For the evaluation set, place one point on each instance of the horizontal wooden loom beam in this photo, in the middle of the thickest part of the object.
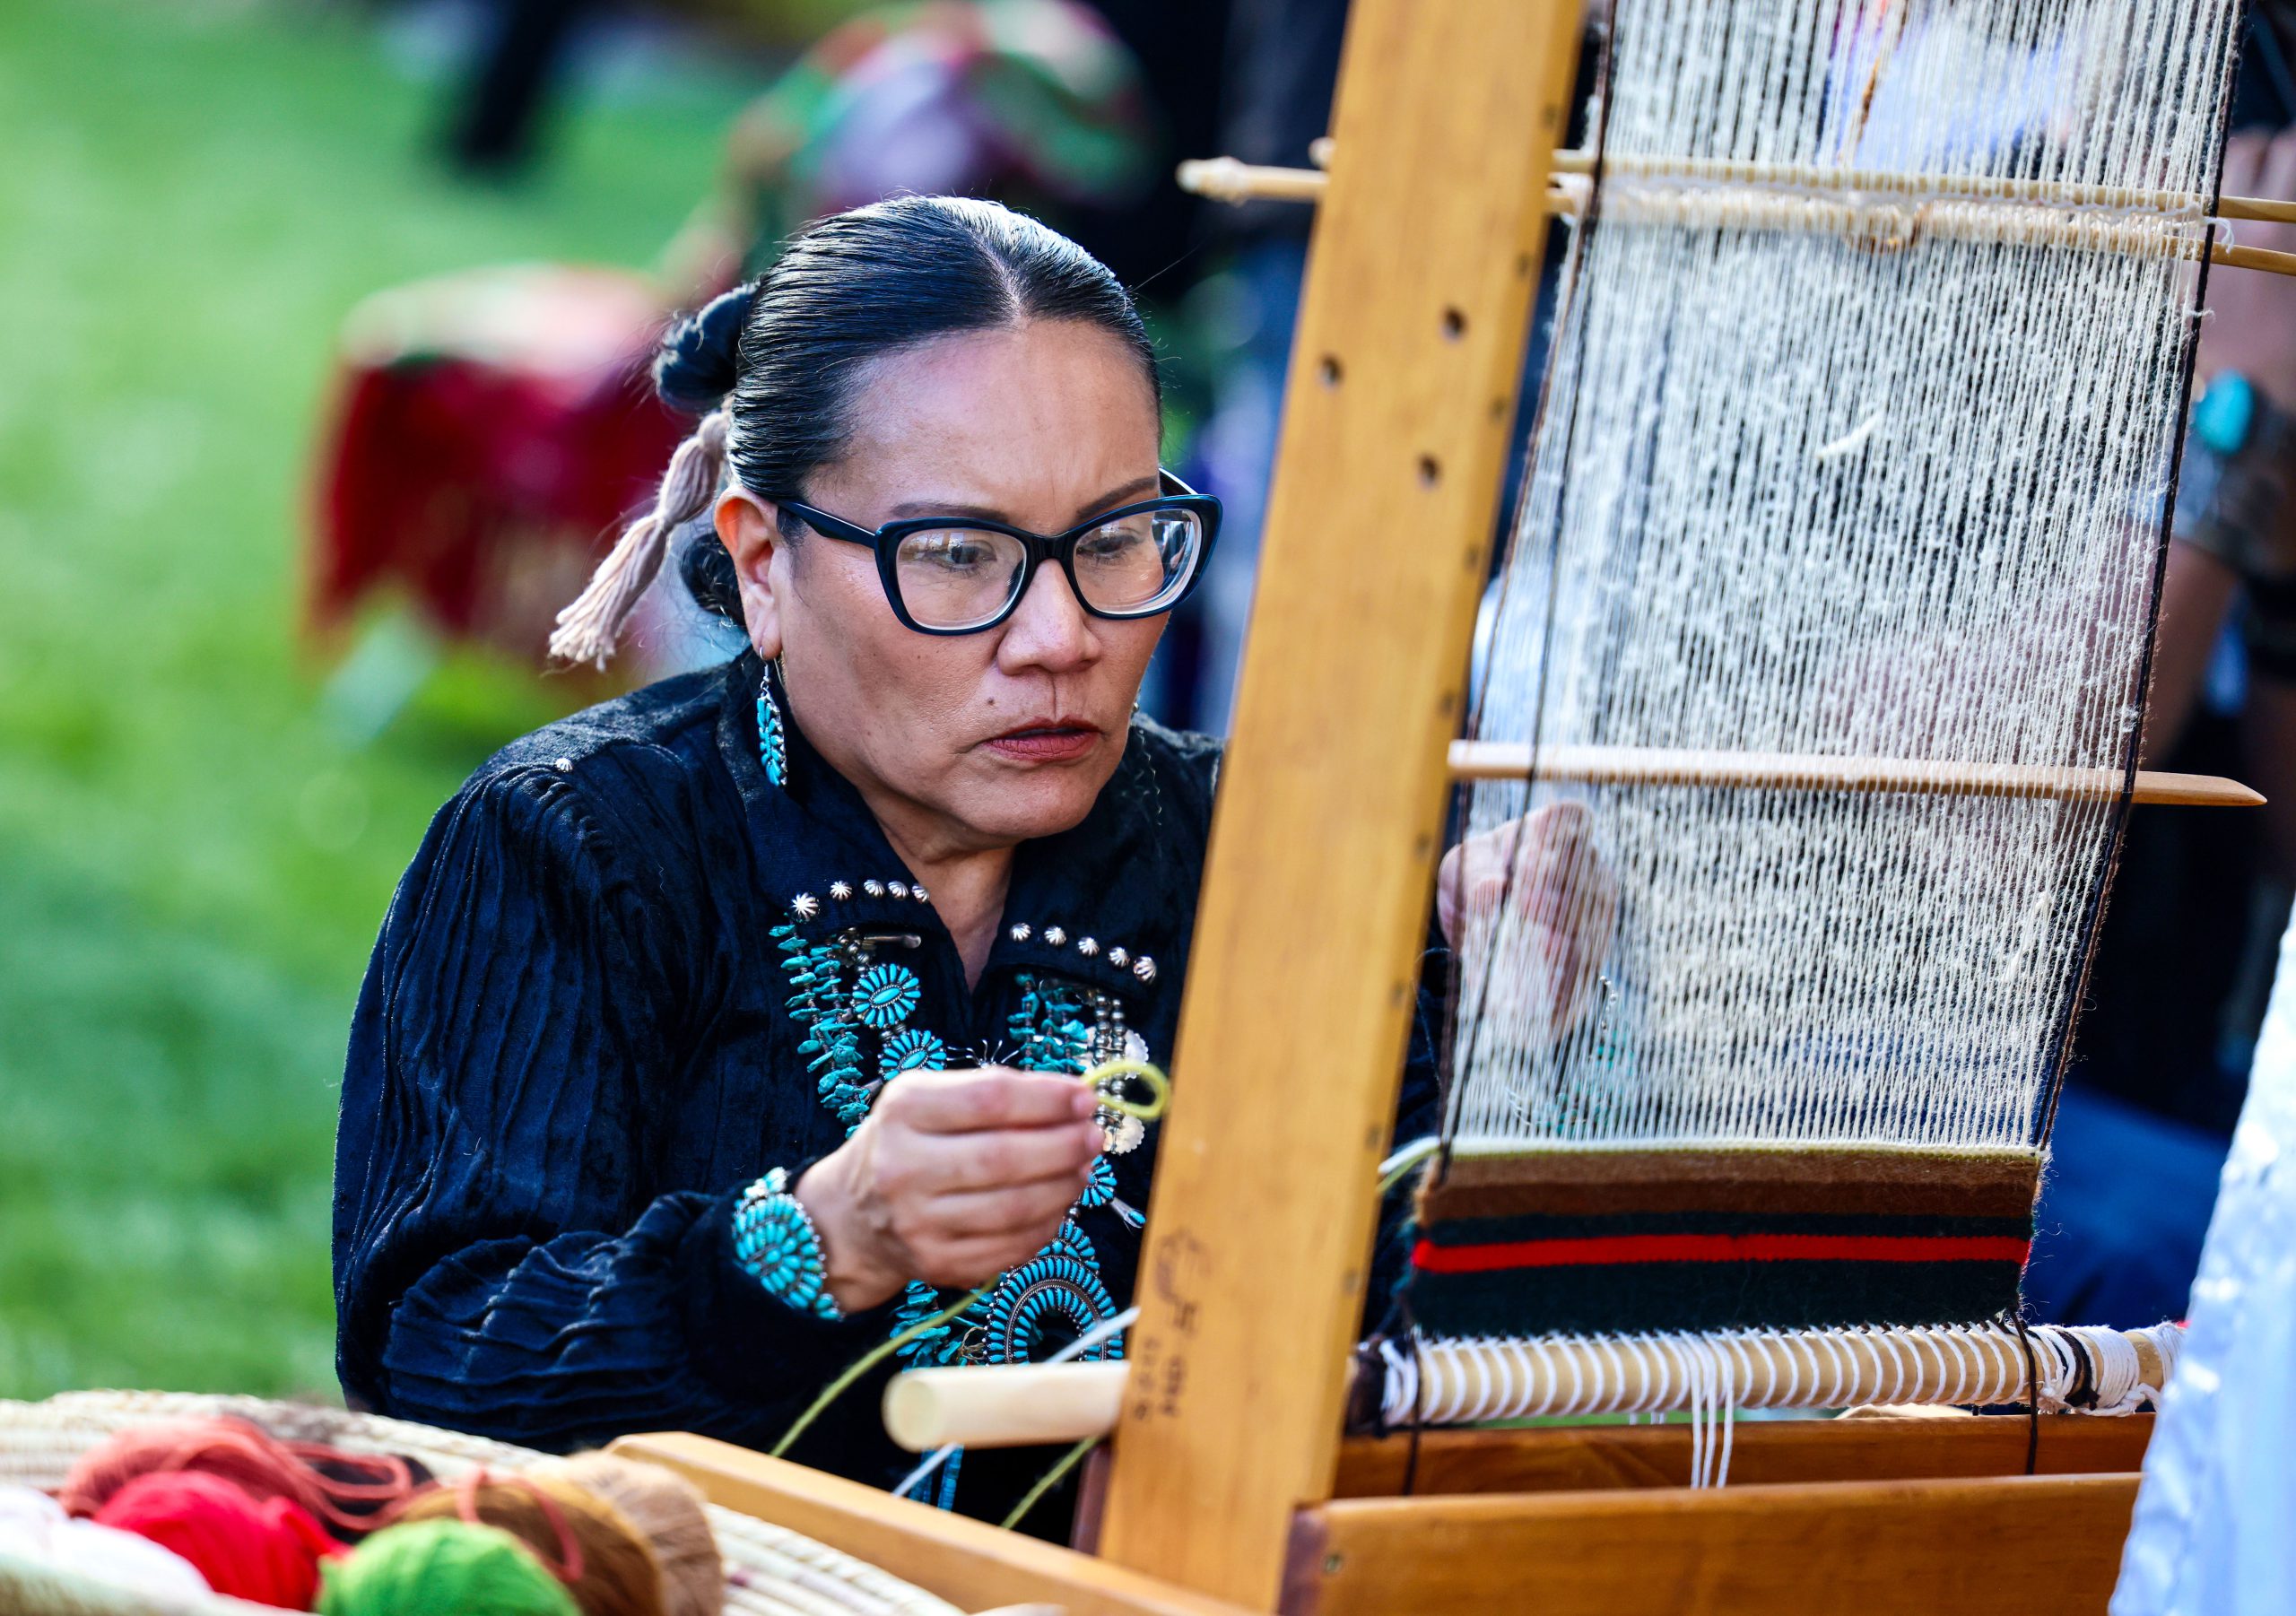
(1029, 1405)
(1226, 179)
(1777, 771)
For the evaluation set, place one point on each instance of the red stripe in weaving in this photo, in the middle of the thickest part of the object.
(1609, 1250)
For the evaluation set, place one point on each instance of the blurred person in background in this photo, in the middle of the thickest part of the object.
(491, 425)
(2183, 964)
(523, 50)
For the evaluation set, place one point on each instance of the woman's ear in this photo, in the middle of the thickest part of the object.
(751, 530)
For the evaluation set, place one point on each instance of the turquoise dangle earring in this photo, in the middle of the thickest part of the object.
(771, 749)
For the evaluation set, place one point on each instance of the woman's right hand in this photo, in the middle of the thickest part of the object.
(952, 1178)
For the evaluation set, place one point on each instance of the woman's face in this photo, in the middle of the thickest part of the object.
(963, 742)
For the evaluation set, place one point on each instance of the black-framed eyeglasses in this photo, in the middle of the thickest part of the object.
(962, 575)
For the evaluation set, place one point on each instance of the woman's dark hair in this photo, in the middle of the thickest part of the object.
(782, 358)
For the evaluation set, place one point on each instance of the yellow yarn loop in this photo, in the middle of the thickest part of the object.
(1159, 1086)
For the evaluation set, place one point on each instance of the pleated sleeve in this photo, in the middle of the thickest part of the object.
(505, 1261)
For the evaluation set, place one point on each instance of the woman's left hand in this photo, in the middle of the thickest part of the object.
(1561, 894)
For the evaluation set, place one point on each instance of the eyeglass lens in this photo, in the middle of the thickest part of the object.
(953, 577)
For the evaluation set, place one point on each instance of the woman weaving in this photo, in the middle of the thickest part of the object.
(720, 1032)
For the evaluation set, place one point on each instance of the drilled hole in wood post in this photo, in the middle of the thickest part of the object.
(1328, 369)
(1455, 324)
(1431, 471)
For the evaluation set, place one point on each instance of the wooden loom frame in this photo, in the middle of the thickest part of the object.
(1229, 1486)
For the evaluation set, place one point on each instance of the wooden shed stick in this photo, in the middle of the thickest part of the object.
(1777, 771)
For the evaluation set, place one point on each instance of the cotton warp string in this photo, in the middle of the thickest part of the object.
(586, 1543)
(668, 1510)
(587, 629)
(1838, 488)
(268, 1551)
(345, 1490)
(442, 1568)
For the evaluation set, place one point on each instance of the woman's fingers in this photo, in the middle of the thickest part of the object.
(1011, 1210)
(961, 1265)
(986, 1097)
(1007, 1156)
(1549, 872)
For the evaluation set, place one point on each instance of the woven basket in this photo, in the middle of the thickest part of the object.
(769, 1571)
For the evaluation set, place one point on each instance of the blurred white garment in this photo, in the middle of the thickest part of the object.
(2215, 1528)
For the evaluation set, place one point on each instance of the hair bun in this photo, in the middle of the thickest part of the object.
(700, 355)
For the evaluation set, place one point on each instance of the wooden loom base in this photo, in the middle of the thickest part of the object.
(1869, 1517)
(1865, 1516)
(2007, 1546)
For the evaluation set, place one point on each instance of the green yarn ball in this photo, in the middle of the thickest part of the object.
(442, 1568)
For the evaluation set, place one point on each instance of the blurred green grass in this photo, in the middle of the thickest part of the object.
(192, 868)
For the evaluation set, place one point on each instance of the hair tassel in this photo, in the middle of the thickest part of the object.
(587, 629)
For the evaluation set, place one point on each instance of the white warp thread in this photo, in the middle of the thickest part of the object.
(1475, 1381)
(1882, 486)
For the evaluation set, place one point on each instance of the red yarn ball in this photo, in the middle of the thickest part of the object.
(268, 1551)
(345, 1490)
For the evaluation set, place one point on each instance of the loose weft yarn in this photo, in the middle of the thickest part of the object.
(1865, 473)
(583, 1539)
(345, 1490)
(442, 1568)
(267, 1551)
(588, 627)
(667, 1509)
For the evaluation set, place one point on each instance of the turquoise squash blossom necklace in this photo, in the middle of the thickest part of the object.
(853, 1008)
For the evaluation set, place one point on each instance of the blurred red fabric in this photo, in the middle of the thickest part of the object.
(490, 431)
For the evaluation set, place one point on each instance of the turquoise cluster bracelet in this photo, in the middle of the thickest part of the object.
(775, 1242)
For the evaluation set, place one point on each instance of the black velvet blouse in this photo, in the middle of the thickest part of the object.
(589, 1023)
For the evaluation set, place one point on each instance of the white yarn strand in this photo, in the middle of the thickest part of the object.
(1852, 475)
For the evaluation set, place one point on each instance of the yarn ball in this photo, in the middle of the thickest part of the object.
(445, 1568)
(667, 1509)
(268, 1551)
(602, 1558)
(33, 1527)
(340, 1488)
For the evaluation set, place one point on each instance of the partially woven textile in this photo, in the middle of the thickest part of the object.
(1866, 393)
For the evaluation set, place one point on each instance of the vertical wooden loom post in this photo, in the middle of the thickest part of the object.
(1401, 397)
